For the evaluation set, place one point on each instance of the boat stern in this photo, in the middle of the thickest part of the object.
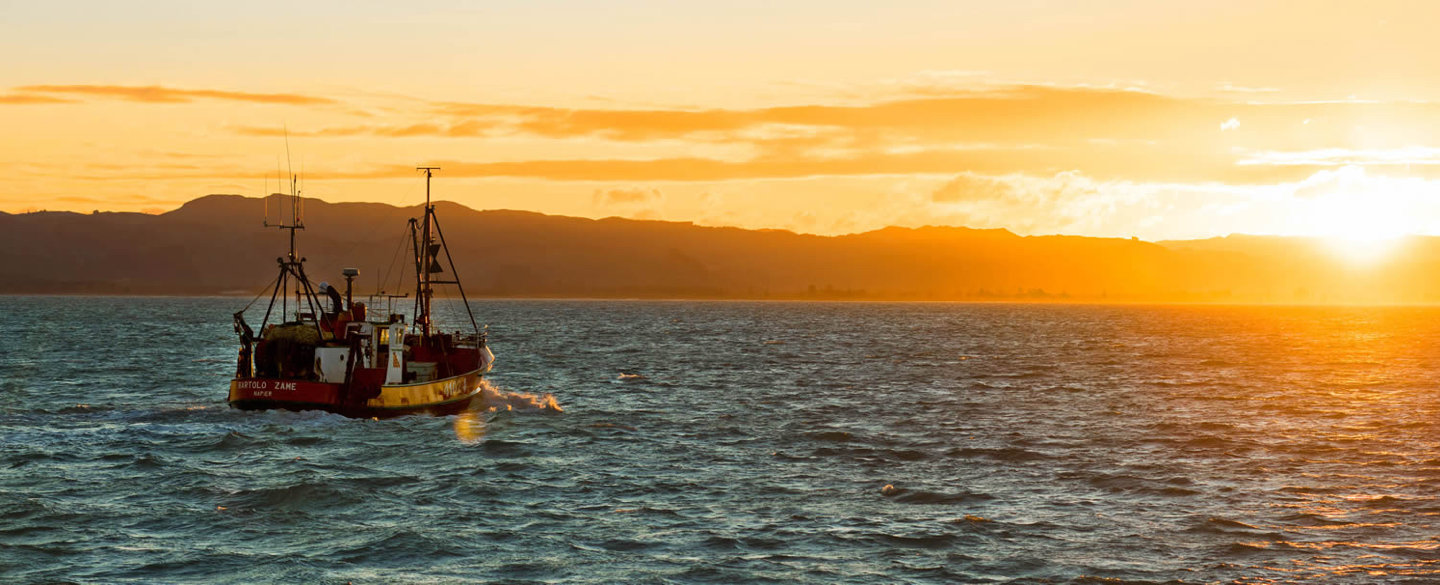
(261, 393)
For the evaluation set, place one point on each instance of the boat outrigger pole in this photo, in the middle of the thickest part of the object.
(427, 262)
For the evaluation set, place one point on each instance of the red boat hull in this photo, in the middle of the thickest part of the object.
(439, 397)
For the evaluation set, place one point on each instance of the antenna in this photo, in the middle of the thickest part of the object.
(287, 152)
(296, 221)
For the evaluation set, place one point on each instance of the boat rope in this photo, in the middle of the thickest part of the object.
(263, 290)
(456, 275)
(394, 258)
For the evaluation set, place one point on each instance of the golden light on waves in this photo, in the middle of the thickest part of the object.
(470, 427)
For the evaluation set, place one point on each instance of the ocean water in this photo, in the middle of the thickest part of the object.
(727, 442)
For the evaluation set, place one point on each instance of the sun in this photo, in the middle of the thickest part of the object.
(1360, 227)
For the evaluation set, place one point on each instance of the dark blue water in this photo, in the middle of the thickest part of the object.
(743, 443)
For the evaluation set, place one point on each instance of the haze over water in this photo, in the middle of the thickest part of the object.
(727, 442)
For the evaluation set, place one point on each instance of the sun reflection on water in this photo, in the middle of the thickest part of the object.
(470, 427)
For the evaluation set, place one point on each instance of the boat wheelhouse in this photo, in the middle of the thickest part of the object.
(327, 352)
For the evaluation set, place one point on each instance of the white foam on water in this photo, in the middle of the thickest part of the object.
(500, 399)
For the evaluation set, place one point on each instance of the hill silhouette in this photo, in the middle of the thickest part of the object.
(218, 245)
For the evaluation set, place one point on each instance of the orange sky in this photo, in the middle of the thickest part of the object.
(1097, 118)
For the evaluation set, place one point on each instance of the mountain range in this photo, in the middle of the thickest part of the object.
(218, 244)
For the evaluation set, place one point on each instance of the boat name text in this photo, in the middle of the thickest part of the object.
(266, 385)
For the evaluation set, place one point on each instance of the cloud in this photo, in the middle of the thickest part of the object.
(1343, 200)
(166, 95)
(1117, 162)
(1003, 113)
(626, 196)
(717, 209)
(282, 131)
(1348, 179)
(1405, 156)
(1006, 117)
(457, 130)
(124, 199)
(634, 203)
(1066, 202)
(971, 187)
(1232, 88)
(1103, 132)
(1135, 162)
(25, 99)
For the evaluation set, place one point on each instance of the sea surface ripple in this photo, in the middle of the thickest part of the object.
(730, 442)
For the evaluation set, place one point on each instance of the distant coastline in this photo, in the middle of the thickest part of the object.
(216, 245)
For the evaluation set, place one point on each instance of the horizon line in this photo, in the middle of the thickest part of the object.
(159, 213)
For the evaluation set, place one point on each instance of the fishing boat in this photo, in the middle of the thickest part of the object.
(327, 352)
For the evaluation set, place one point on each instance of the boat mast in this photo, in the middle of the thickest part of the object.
(297, 220)
(291, 265)
(426, 250)
(428, 240)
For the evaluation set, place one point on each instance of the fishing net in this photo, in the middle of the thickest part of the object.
(287, 351)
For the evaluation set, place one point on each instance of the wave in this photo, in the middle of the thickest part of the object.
(1235, 528)
(832, 436)
(999, 454)
(81, 409)
(399, 547)
(1225, 523)
(923, 497)
(1124, 483)
(926, 541)
(289, 498)
(494, 398)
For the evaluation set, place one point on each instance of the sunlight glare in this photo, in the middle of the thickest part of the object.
(1362, 227)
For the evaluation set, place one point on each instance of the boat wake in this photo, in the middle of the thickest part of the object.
(494, 398)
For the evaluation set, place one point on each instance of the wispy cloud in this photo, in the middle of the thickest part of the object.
(1154, 164)
(27, 99)
(167, 95)
(471, 128)
(973, 187)
(1335, 157)
(635, 202)
(626, 196)
(1003, 116)
(1002, 113)
(1107, 133)
(130, 200)
(1232, 88)
(1066, 202)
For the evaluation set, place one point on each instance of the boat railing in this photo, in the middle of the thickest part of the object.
(469, 339)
